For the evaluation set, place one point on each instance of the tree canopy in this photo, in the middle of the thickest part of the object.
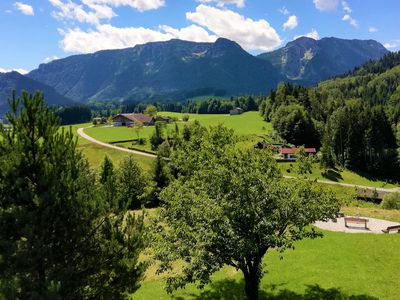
(229, 207)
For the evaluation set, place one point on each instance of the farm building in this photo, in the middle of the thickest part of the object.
(290, 153)
(130, 119)
(236, 111)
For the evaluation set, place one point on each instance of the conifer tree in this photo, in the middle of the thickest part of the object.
(58, 239)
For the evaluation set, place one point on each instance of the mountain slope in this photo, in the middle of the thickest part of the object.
(15, 81)
(165, 70)
(376, 81)
(308, 61)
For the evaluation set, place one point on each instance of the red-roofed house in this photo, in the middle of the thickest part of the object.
(130, 119)
(290, 153)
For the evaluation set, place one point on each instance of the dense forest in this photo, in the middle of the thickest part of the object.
(354, 119)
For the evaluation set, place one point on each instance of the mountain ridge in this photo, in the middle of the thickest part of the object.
(15, 81)
(308, 61)
(159, 67)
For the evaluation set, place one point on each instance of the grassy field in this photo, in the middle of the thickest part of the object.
(249, 123)
(344, 176)
(95, 154)
(337, 266)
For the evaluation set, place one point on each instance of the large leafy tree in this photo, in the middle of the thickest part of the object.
(58, 237)
(230, 207)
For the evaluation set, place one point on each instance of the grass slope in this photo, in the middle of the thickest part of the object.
(343, 176)
(335, 267)
(95, 154)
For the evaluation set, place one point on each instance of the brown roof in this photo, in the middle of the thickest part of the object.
(137, 117)
(294, 150)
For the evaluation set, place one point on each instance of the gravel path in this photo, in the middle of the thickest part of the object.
(92, 140)
(362, 187)
(374, 226)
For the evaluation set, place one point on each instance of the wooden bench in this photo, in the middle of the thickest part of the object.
(392, 228)
(355, 220)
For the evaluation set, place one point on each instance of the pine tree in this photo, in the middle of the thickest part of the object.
(108, 182)
(58, 240)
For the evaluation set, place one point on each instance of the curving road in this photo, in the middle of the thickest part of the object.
(92, 140)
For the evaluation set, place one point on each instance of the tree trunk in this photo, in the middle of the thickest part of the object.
(252, 277)
(251, 287)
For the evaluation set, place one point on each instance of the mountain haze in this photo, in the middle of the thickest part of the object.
(15, 81)
(166, 70)
(308, 61)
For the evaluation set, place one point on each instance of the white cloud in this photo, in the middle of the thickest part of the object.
(346, 7)
(284, 11)
(8, 11)
(291, 23)
(313, 34)
(24, 8)
(250, 34)
(191, 33)
(392, 45)
(238, 3)
(73, 11)
(140, 5)
(372, 29)
(92, 11)
(352, 22)
(326, 5)
(50, 58)
(19, 70)
(109, 37)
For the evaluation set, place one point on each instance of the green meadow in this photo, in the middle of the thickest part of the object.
(337, 175)
(337, 266)
(248, 125)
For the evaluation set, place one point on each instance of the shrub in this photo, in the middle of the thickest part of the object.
(391, 201)
(185, 118)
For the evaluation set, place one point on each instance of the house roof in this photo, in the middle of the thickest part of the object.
(136, 117)
(294, 150)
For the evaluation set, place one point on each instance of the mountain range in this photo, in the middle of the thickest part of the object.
(307, 61)
(177, 70)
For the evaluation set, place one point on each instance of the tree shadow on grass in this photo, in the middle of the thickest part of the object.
(332, 175)
(233, 290)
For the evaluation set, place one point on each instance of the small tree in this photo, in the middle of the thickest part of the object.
(150, 110)
(108, 182)
(131, 183)
(138, 128)
(157, 137)
(185, 118)
(230, 209)
(304, 162)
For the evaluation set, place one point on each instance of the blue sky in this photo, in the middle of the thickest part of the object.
(37, 31)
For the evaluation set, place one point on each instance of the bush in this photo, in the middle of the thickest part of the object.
(185, 118)
(391, 201)
(142, 141)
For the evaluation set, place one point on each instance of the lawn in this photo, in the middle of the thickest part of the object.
(344, 176)
(249, 123)
(335, 267)
(95, 154)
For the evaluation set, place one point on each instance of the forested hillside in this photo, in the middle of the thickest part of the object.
(356, 118)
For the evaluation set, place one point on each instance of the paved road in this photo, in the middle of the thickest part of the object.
(92, 140)
(354, 185)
